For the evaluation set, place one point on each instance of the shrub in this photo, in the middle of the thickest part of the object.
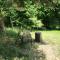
(24, 37)
(49, 16)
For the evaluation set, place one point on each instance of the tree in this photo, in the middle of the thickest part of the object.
(4, 4)
(4, 7)
(49, 15)
(1, 24)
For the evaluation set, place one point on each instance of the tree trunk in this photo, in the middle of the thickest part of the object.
(1, 24)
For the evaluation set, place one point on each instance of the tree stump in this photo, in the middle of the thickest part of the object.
(38, 37)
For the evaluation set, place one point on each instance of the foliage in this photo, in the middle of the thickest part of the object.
(24, 20)
(31, 9)
(17, 18)
(49, 17)
(4, 6)
(24, 37)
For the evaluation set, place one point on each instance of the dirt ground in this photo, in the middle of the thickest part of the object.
(49, 52)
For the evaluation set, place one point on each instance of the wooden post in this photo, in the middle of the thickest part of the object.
(38, 37)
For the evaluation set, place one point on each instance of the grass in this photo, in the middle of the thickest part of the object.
(50, 37)
(9, 49)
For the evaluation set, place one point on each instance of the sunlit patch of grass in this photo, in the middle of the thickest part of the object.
(11, 32)
(51, 37)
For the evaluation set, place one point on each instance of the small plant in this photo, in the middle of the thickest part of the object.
(24, 37)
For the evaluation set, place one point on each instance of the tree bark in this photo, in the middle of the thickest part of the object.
(1, 24)
(38, 37)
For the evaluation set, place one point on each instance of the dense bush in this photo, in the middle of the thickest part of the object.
(14, 17)
(24, 37)
(17, 16)
(31, 9)
(50, 16)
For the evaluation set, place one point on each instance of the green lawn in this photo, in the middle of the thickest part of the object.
(51, 37)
